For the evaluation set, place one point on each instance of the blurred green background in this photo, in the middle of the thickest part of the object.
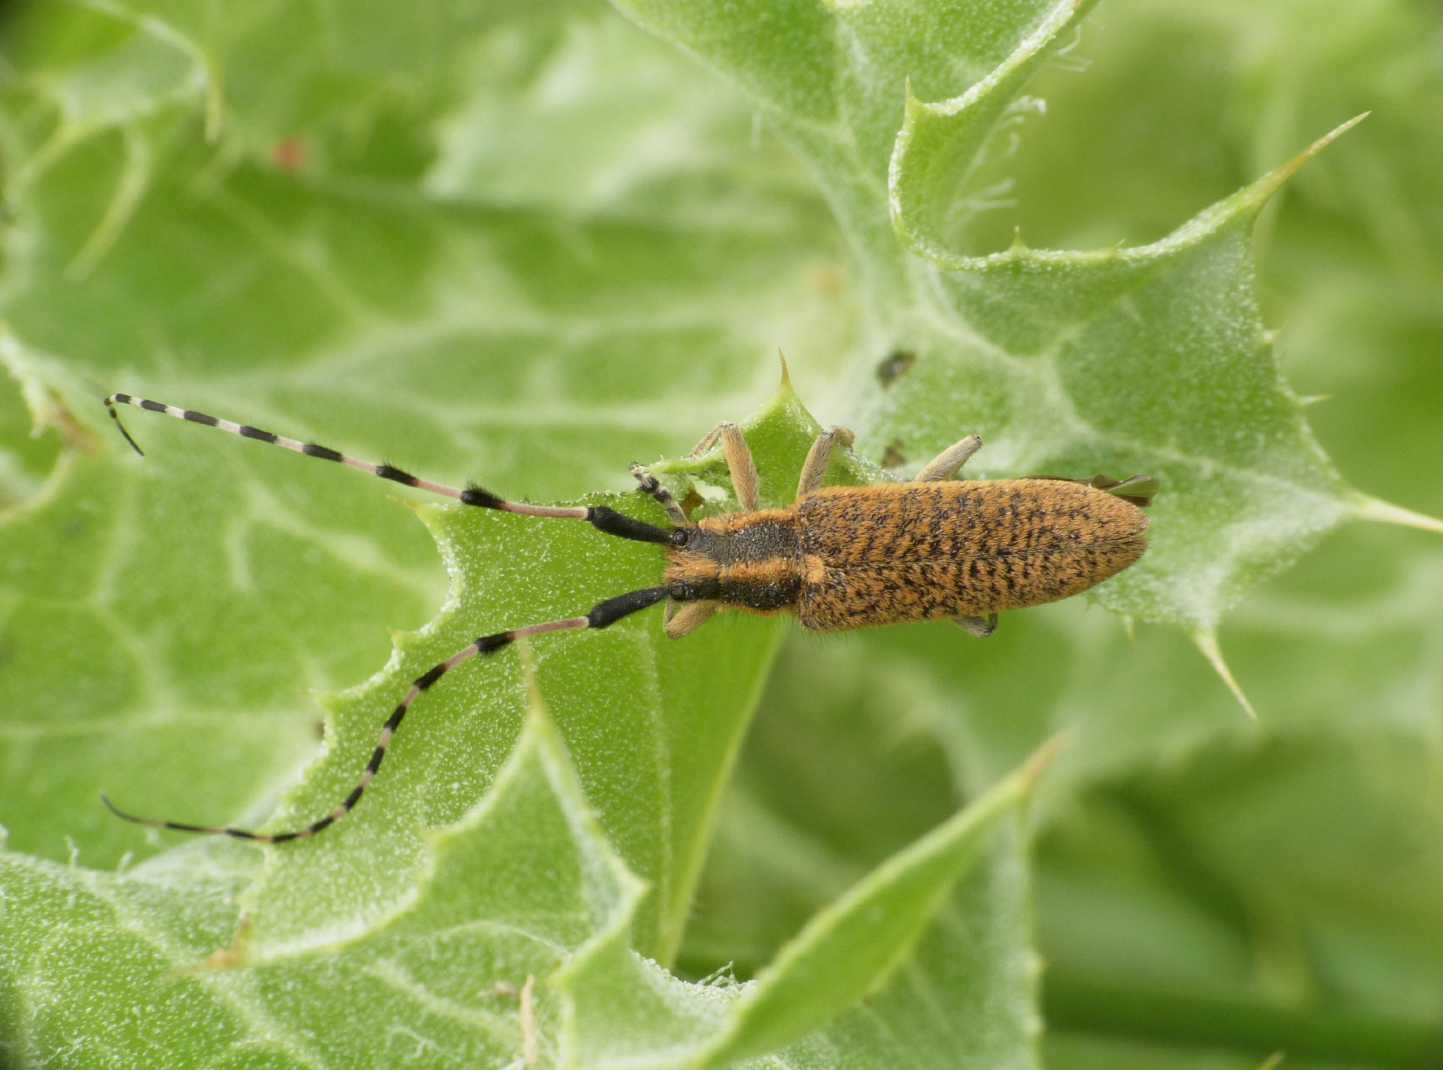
(565, 246)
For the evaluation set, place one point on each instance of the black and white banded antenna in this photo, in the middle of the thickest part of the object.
(601, 615)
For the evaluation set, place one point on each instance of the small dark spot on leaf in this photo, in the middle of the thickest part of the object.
(895, 365)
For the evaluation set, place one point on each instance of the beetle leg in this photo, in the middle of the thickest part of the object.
(981, 627)
(683, 618)
(650, 485)
(815, 468)
(1139, 490)
(950, 461)
(739, 461)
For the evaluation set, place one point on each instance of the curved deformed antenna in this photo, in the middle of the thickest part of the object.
(599, 516)
(602, 615)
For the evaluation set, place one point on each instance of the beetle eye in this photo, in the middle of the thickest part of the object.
(679, 536)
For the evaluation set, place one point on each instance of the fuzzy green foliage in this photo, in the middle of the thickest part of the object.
(529, 243)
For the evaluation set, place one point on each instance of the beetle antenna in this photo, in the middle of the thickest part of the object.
(110, 408)
(599, 516)
(602, 615)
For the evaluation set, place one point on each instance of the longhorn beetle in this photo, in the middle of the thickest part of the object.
(839, 557)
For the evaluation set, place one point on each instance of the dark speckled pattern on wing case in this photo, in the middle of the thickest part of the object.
(850, 557)
(922, 551)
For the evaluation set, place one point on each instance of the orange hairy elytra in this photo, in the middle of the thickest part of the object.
(851, 557)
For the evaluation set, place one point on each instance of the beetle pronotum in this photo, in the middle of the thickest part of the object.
(838, 557)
